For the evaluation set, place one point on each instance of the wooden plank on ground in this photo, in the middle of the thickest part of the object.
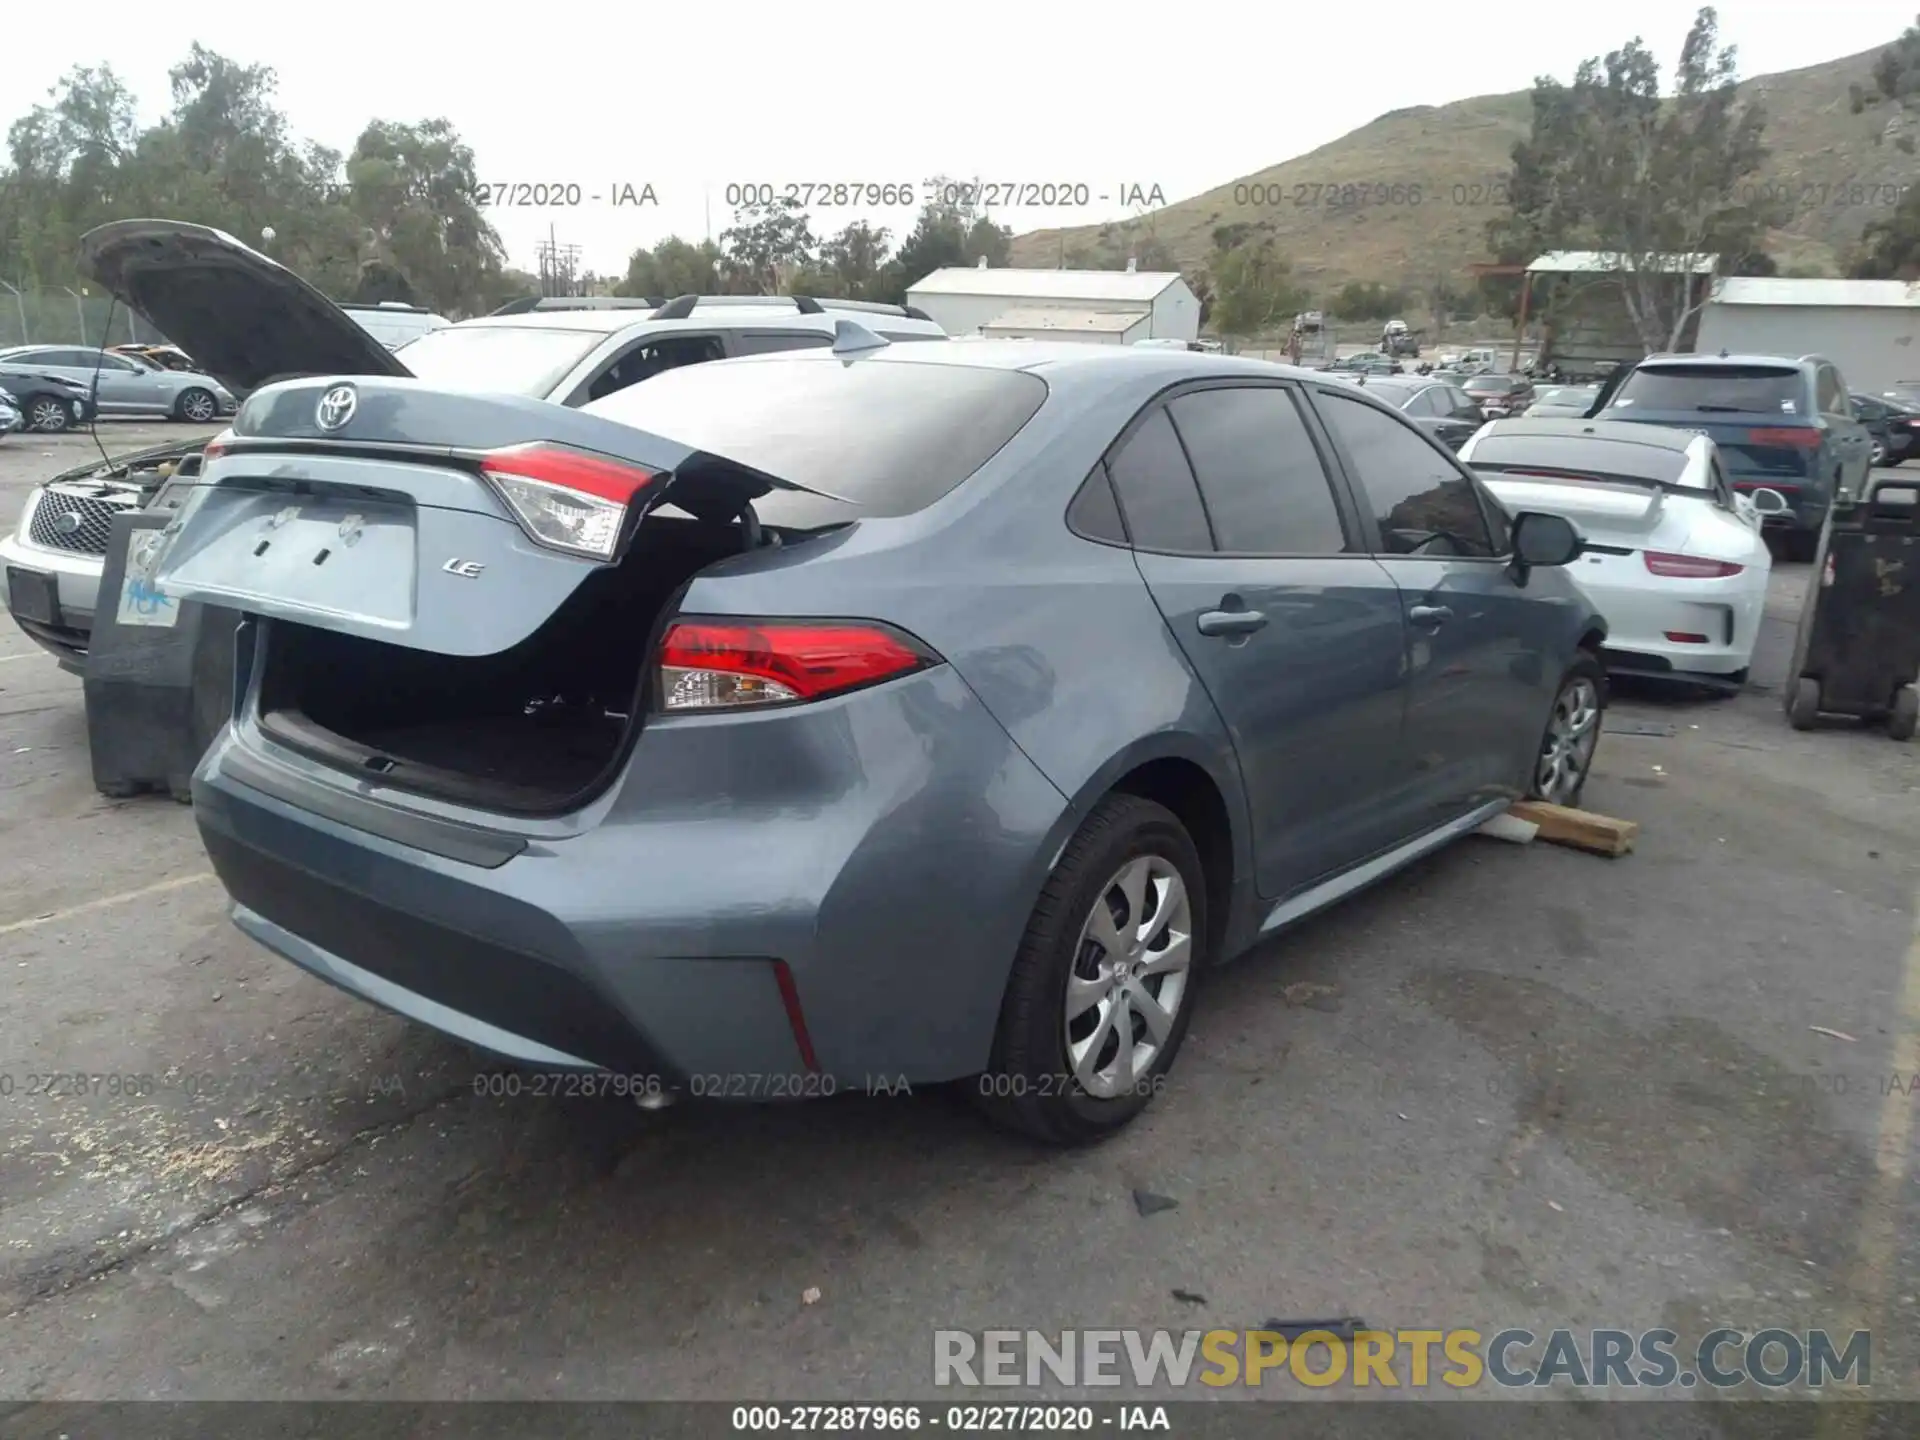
(1582, 829)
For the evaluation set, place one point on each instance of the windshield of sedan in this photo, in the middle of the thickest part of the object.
(516, 360)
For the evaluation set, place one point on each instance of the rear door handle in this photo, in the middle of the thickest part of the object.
(1231, 622)
(1429, 614)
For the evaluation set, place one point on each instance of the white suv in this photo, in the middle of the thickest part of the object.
(53, 561)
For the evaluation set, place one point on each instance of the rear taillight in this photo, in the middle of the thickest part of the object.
(732, 664)
(565, 498)
(1689, 567)
(1794, 438)
(217, 446)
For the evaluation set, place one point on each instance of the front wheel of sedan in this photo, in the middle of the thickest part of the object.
(1573, 733)
(47, 415)
(1103, 986)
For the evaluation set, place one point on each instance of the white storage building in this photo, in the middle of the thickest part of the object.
(1113, 307)
(1869, 328)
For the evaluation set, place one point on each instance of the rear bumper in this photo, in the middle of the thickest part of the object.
(828, 844)
(1727, 612)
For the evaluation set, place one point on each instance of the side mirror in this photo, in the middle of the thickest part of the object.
(1542, 539)
(1769, 502)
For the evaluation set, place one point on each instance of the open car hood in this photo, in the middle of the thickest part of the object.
(246, 319)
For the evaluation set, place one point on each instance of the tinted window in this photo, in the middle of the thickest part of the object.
(1156, 489)
(1259, 473)
(890, 437)
(519, 361)
(1425, 402)
(752, 342)
(1583, 455)
(1094, 513)
(1422, 503)
(1736, 389)
(1463, 403)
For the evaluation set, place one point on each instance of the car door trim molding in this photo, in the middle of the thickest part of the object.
(1326, 892)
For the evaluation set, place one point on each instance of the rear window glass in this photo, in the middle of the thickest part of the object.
(1734, 389)
(502, 358)
(890, 437)
(1581, 454)
(1490, 384)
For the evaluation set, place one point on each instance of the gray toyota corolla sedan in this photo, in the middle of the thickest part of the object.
(792, 723)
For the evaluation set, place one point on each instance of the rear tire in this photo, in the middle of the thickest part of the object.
(1803, 703)
(1906, 713)
(1572, 737)
(1130, 870)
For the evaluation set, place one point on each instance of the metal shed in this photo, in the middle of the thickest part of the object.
(1870, 328)
(965, 301)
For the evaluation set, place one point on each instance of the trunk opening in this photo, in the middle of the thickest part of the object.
(538, 729)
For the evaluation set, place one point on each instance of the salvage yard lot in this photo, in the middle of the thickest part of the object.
(1512, 1086)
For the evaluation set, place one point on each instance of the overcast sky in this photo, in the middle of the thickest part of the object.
(690, 101)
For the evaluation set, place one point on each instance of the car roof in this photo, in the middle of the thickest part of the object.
(1777, 362)
(1626, 432)
(730, 317)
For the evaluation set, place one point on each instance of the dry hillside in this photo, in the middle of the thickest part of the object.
(1405, 199)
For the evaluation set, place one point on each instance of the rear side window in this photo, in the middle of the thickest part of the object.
(1423, 504)
(1259, 474)
(891, 437)
(1829, 394)
(1156, 490)
(1730, 389)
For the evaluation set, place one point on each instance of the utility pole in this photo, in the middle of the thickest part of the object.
(559, 266)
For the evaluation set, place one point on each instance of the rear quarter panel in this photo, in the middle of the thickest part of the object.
(1056, 635)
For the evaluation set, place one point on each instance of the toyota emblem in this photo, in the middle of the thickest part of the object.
(336, 407)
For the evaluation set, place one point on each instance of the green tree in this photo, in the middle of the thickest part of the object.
(1253, 289)
(853, 265)
(673, 267)
(950, 230)
(1368, 300)
(766, 245)
(414, 189)
(1651, 180)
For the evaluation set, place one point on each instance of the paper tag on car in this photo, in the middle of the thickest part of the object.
(140, 602)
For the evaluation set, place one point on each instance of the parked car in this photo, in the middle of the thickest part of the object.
(394, 322)
(1308, 322)
(1499, 396)
(1444, 411)
(48, 403)
(640, 802)
(122, 385)
(1369, 362)
(166, 357)
(1563, 401)
(10, 418)
(1893, 427)
(1781, 424)
(1673, 556)
(568, 356)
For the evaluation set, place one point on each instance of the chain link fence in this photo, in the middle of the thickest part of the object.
(39, 316)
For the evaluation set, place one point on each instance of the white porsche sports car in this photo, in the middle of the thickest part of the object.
(1674, 558)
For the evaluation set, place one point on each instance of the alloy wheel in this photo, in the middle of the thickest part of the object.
(47, 415)
(1572, 733)
(198, 406)
(1879, 454)
(1129, 976)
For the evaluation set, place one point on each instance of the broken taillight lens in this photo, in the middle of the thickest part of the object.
(567, 499)
(734, 664)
